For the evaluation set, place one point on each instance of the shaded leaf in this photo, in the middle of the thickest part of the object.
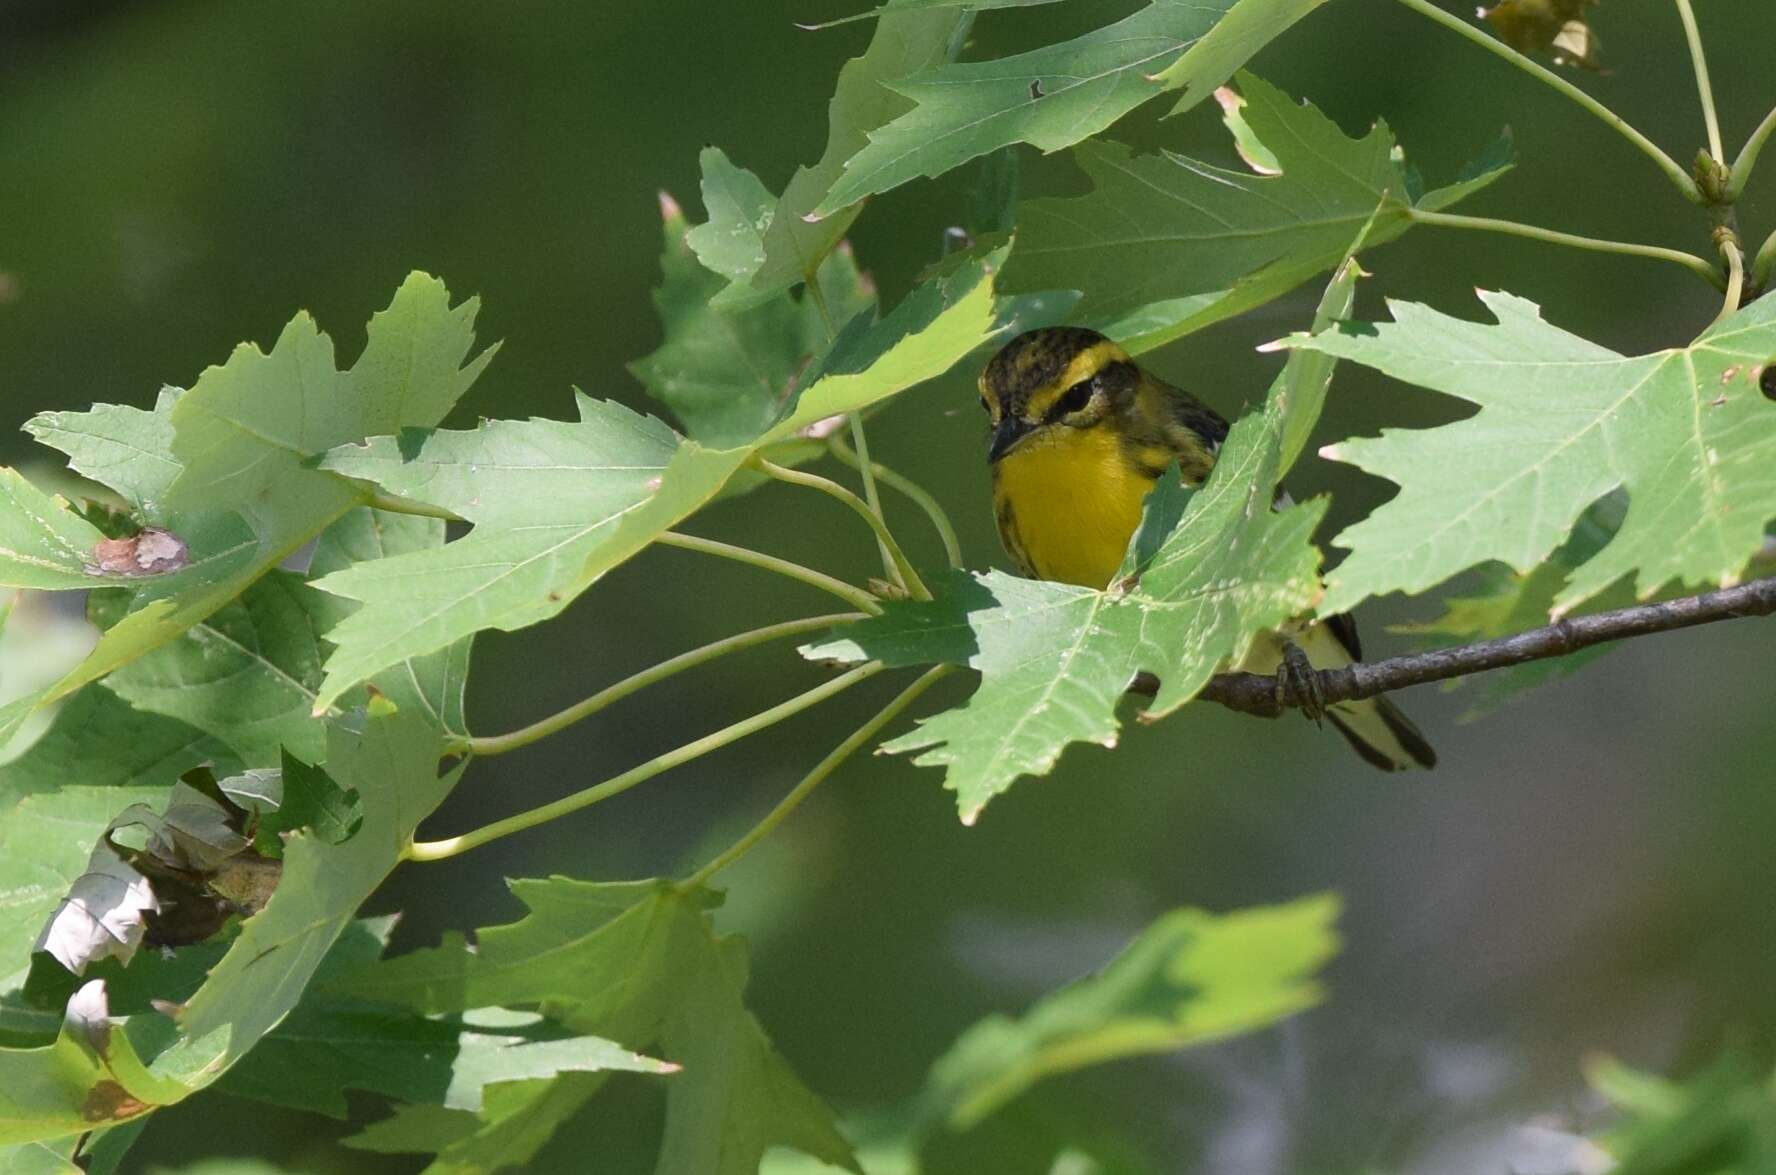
(1165, 245)
(1050, 97)
(100, 757)
(863, 100)
(1248, 26)
(1685, 432)
(727, 374)
(1189, 978)
(638, 962)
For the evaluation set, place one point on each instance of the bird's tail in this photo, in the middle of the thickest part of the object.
(1374, 727)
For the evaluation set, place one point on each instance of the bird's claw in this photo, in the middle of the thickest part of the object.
(1297, 678)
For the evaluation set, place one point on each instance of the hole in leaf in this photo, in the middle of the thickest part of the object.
(1767, 381)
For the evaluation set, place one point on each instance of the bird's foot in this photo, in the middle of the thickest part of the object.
(1297, 678)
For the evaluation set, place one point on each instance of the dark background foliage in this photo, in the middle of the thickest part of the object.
(1586, 871)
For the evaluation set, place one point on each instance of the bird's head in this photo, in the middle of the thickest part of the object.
(1051, 379)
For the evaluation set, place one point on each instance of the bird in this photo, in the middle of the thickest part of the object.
(1079, 434)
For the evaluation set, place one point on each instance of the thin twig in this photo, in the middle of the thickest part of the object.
(1255, 693)
(873, 499)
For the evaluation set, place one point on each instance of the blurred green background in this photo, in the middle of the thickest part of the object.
(1588, 869)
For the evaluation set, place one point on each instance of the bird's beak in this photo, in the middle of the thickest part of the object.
(1012, 429)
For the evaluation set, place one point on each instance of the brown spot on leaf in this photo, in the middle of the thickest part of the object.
(110, 1102)
(153, 551)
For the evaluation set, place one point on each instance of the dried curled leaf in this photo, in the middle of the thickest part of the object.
(1534, 26)
(213, 852)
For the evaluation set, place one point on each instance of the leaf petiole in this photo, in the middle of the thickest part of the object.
(911, 489)
(524, 736)
(814, 778)
(833, 489)
(438, 850)
(1668, 165)
(1763, 262)
(1748, 157)
(1700, 63)
(855, 596)
(1689, 261)
(874, 500)
(1735, 277)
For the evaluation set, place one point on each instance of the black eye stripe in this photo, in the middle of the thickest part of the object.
(1071, 400)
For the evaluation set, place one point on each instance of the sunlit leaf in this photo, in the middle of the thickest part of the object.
(1686, 432)
(243, 497)
(556, 505)
(543, 494)
(1248, 26)
(1189, 978)
(1165, 245)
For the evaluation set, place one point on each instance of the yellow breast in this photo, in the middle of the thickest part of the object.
(1067, 502)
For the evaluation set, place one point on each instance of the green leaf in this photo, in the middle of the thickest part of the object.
(544, 495)
(1056, 659)
(127, 449)
(1191, 977)
(43, 544)
(638, 962)
(863, 100)
(241, 438)
(1720, 1122)
(246, 674)
(1506, 602)
(557, 505)
(305, 798)
(898, 6)
(393, 766)
(431, 684)
(1685, 432)
(90, 1077)
(1165, 245)
(327, 1046)
(99, 758)
(1055, 96)
(727, 374)
(1248, 26)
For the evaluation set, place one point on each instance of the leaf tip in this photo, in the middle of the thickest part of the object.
(669, 207)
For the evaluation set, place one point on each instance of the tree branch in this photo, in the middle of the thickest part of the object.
(1254, 693)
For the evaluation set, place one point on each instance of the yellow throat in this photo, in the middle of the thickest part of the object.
(1067, 502)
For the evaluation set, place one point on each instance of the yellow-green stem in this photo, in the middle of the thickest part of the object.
(1689, 261)
(873, 500)
(499, 744)
(911, 489)
(438, 850)
(831, 488)
(1700, 63)
(1610, 118)
(1762, 263)
(855, 596)
(1735, 278)
(816, 777)
(1747, 159)
(398, 505)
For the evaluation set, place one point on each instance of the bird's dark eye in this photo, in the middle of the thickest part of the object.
(1072, 400)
